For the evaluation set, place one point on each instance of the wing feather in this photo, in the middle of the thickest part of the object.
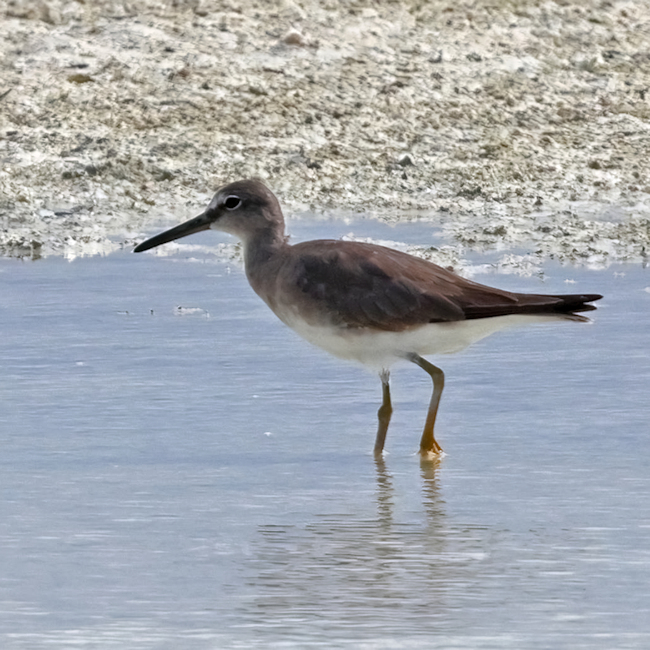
(363, 285)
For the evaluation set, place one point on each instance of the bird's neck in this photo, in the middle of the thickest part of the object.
(262, 253)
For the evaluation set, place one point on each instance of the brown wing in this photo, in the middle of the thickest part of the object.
(364, 285)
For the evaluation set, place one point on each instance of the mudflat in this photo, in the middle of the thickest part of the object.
(508, 124)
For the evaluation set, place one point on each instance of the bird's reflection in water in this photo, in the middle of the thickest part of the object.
(431, 496)
(385, 493)
(387, 570)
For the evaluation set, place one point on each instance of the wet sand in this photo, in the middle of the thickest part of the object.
(517, 127)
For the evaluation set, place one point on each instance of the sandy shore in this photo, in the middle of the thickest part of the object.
(513, 125)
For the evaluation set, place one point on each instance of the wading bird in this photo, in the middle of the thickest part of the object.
(365, 302)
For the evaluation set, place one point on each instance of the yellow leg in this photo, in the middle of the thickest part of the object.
(384, 413)
(428, 443)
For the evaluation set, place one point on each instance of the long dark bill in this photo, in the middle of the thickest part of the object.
(202, 222)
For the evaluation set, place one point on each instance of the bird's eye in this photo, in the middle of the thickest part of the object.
(232, 202)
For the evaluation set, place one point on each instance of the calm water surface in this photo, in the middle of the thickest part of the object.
(203, 479)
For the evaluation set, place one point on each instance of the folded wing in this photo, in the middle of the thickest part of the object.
(363, 285)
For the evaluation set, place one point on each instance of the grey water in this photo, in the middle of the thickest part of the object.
(200, 478)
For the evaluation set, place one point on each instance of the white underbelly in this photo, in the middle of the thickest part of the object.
(380, 350)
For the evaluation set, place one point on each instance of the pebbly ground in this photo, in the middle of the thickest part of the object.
(517, 126)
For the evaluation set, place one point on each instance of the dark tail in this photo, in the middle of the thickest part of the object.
(568, 305)
(531, 303)
(573, 303)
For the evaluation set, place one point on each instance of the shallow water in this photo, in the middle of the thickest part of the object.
(203, 479)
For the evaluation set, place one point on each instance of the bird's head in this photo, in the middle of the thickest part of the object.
(243, 208)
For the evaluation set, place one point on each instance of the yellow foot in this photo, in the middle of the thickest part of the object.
(432, 454)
